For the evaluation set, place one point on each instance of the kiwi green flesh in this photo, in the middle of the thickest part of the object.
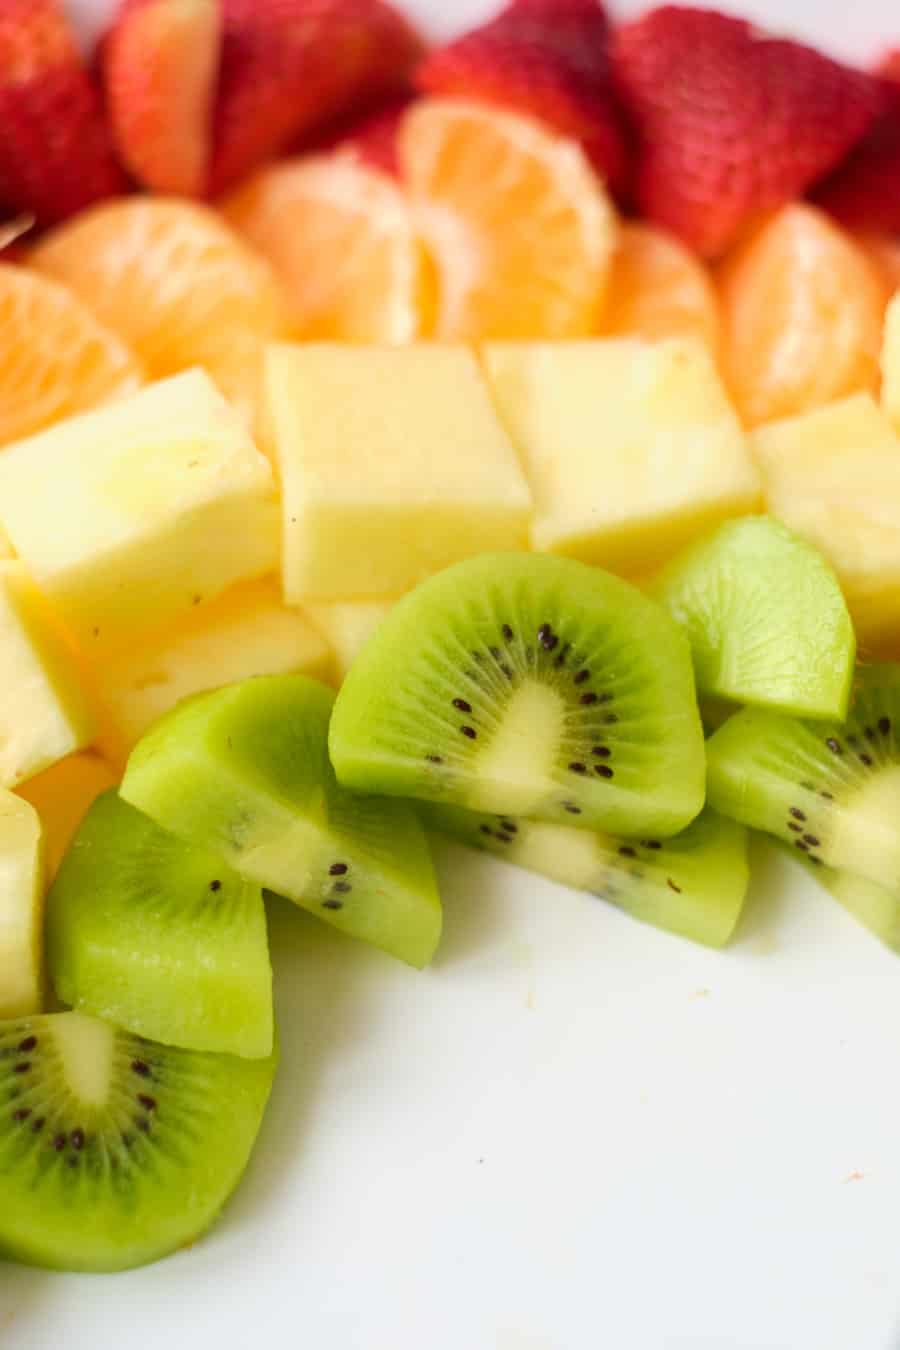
(874, 906)
(830, 790)
(693, 884)
(527, 684)
(244, 773)
(115, 1151)
(159, 937)
(765, 618)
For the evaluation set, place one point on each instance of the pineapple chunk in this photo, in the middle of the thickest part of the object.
(348, 625)
(62, 796)
(247, 631)
(127, 514)
(833, 475)
(890, 363)
(44, 711)
(393, 465)
(21, 908)
(631, 447)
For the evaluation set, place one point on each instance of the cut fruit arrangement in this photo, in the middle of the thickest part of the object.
(644, 476)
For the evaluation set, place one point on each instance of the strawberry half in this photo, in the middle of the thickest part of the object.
(290, 66)
(547, 58)
(864, 192)
(159, 63)
(371, 135)
(731, 122)
(55, 150)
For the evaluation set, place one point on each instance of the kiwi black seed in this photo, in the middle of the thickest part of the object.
(793, 778)
(528, 684)
(115, 1151)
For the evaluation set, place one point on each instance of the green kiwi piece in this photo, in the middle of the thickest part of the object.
(244, 773)
(693, 884)
(765, 617)
(532, 685)
(115, 1151)
(830, 790)
(159, 937)
(874, 906)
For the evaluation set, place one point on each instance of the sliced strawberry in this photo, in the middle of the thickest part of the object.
(12, 233)
(290, 66)
(159, 62)
(55, 150)
(372, 135)
(731, 122)
(864, 191)
(549, 58)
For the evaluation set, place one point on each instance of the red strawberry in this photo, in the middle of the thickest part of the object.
(730, 121)
(55, 152)
(372, 135)
(864, 192)
(549, 58)
(12, 232)
(159, 62)
(290, 66)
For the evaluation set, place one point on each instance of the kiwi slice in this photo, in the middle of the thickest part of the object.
(115, 1151)
(159, 937)
(693, 885)
(244, 773)
(765, 617)
(874, 906)
(830, 790)
(532, 685)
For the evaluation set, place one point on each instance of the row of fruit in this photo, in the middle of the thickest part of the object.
(154, 551)
(527, 704)
(189, 96)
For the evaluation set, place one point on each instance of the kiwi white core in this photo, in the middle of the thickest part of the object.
(521, 755)
(877, 802)
(572, 857)
(86, 1048)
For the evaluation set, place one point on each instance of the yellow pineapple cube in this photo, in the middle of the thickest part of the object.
(393, 465)
(247, 631)
(890, 363)
(347, 625)
(62, 797)
(833, 475)
(129, 514)
(630, 447)
(44, 711)
(21, 908)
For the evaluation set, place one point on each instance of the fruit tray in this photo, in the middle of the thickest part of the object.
(546, 1126)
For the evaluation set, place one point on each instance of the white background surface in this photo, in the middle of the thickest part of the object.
(573, 1133)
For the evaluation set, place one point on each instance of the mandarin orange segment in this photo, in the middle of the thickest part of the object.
(519, 225)
(55, 357)
(802, 310)
(658, 289)
(341, 240)
(173, 280)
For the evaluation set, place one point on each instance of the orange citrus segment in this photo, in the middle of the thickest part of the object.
(340, 238)
(173, 280)
(519, 226)
(55, 358)
(658, 289)
(802, 310)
